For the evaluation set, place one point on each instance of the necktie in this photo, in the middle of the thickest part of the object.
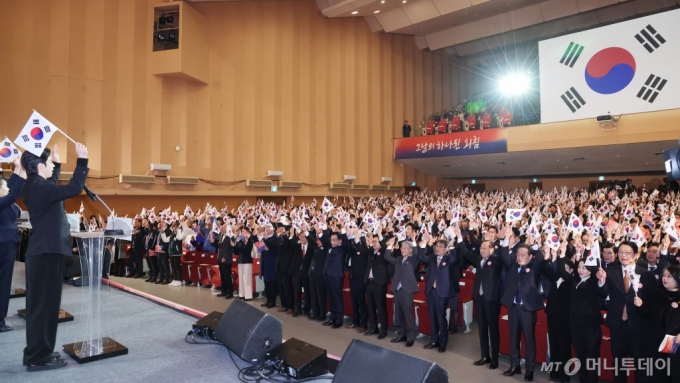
(304, 250)
(434, 286)
(518, 299)
(652, 268)
(626, 286)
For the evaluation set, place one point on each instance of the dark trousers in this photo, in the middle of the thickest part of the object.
(587, 338)
(301, 281)
(403, 312)
(522, 321)
(149, 264)
(44, 280)
(453, 315)
(285, 289)
(163, 273)
(317, 286)
(176, 267)
(487, 319)
(225, 276)
(436, 307)
(625, 343)
(7, 252)
(334, 290)
(559, 336)
(153, 266)
(377, 301)
(357, 290)
(271, 289)
(135, 262)
(120, 267)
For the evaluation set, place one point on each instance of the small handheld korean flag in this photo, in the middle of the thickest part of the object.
(8, 152)
(594, 257)
(514, 215)
(553, 241)
(629, 213)
(36, 134)
(326, 205)
(638, 237)
(575, 223)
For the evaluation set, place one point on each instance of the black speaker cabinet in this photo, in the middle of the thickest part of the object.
(366, 362)
(249, 332)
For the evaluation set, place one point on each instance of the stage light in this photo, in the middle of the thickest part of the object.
(600, 178)
(474, 181)
(514, 84)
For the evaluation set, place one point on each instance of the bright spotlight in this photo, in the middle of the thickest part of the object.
(514, 84)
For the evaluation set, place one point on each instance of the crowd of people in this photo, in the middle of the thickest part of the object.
(457, 119)
(575, 253)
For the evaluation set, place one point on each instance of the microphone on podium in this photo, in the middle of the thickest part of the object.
(113, 230)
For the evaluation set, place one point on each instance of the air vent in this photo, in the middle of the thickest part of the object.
(340, 185)
(259, 183)
(579, 159)
(658, 153)
(378, 187)
(446, 166)
(173, 180)
(65, 176)
(290, 184)
(135, 179)
(501, 163)
(395, 188)
(359, 187)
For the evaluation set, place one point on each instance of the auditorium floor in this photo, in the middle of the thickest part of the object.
(463, 349)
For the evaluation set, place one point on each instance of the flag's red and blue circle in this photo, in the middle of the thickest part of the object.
(576, 223)
(37, 133)
(517, 214)
(610, 70)
(555, 239)
(5, 153)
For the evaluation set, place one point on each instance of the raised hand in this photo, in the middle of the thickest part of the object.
(81, 151)
(601, 275)
(637, 301)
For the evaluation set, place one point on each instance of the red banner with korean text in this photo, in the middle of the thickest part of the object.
(452, 144)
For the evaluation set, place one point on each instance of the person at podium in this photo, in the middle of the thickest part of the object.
(9, 235)
(48, 243)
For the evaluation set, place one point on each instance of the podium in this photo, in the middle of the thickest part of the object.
(91, 344)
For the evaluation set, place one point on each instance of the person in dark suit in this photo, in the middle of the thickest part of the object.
(268, 269)
(522, 298)
(334, 273)
(317, 285)
(609, 259)
(106, 262)
(302, 249)
(376, 280)
(486, 293)
(630, 333)
(663, 306)
(653, 262)
(244, 249)
(9, 235)
(225, 251)
(557, 312)
(137, 251)
(403, 286)
(49, 242)
(152, 256)
(584, 315)
(439, 287)
(406, 129)
(357, 287)
(283, 276)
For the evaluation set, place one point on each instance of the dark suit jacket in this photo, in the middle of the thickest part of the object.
(335, 260)
(526, 281)
(244, 249)
(660, 265)
(45, 202)
(282, 245)
(225, 250)
(618, 298)
(358, 255)
(138, 239)
(375, 262)
(403, 271)
(9, 212)
(442, 274)
(559, 299)
(585, 297)
(318, 262)
(298, 263)
(488, 277)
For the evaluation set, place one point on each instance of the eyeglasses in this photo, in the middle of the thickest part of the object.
(628, 253)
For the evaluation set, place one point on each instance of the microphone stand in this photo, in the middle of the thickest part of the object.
(113, 230)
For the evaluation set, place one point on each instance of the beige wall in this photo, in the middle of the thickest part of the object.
(288, 90)
(650, 181)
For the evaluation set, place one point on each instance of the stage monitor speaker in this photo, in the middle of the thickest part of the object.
(366, 362)
(249, 332)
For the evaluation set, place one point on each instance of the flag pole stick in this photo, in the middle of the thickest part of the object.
(66, 135)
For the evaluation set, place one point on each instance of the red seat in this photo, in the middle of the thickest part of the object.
(390, 310)
(420, 295)
(465, 296)
(504, 330)
(215, 280)
(541, 317)
(347, 303)
(345, 284)
(203, 275)
(423, 315)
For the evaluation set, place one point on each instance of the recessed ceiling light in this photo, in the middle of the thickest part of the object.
(378, 11)
(382, 2)
(404, 1)
(355, 12)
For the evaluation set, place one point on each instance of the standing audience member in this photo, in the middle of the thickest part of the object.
(404, 285)
(406, 129)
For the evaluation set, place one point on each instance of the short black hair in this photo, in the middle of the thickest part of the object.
(30, 161)
(630, 244)
(523, 246)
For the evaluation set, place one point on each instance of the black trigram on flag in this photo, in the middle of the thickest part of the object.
(36, 121)
(652, 87)
(16, 151)
(25, 138)
(648, 36)
(38, 145)
(573, 100)
(571, 54)
(47, 128)
(6, 143)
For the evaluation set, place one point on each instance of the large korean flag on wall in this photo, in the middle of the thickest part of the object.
(624, 68)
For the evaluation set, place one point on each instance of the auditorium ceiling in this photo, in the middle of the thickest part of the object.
(589, 160)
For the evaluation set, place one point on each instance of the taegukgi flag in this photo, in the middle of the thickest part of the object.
(623, 68)
(36, 134)
(8, 152)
